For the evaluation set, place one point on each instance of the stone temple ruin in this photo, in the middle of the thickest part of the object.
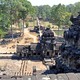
(69, 58)
(43, 49)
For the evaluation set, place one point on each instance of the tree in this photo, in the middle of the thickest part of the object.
(13, 10)
(58, 14)
(73, 8)
(67, 21)
(43, 11)
(26, 9)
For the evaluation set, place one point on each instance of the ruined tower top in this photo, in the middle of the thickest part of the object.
(75, 20)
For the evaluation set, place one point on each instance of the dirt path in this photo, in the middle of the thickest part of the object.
(27, 67)
(27, 33)
(26, 40)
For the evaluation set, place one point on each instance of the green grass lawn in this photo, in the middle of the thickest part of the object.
(60, 32)
(44, 23)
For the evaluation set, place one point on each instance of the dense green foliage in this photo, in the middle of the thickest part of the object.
(13, 10)
(43, 11)
(58, 14)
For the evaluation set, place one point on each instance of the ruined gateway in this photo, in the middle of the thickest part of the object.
(43, 49)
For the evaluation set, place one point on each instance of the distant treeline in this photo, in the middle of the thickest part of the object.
(59, 14)
(12, 11)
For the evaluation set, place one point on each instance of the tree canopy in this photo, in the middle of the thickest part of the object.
(59, 14)
(13, 10)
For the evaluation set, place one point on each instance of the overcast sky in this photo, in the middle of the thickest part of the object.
(52, 2)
